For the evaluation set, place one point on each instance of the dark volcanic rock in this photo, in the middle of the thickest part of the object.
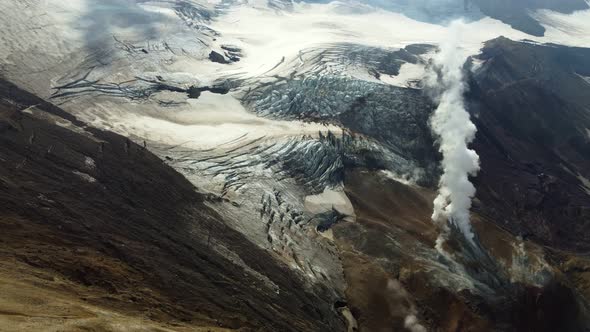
(216, 57)
(531, 107)
(194, 92)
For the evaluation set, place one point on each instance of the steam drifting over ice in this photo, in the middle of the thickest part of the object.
(453, 127)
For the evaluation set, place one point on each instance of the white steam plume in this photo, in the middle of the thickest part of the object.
(453, 127)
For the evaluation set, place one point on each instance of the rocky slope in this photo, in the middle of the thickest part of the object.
(531, 106)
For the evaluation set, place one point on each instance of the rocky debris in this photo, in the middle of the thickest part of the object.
(217, 57)
(328, 219)
(195, 92)
(231, 54)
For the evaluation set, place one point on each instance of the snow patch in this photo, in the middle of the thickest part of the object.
(566, 29)
(85, 177)
(476, 64)
(585, 78)
(411, 323)
(89, 163)
(585, 183)
(328, 200)
(407, 179)
(205, 123)
(409, 74)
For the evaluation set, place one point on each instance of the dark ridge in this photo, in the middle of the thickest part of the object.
(530, 104)
(419, 49)
(328, 219)
(216, 57)
(231, 48)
